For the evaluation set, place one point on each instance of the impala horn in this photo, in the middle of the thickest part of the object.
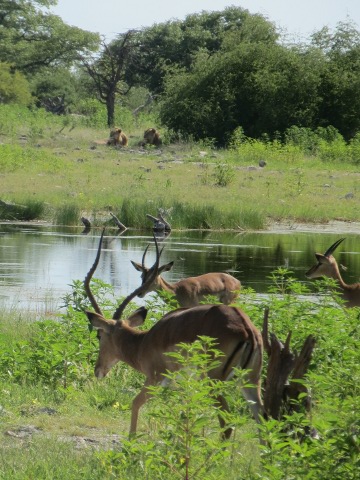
(154, 272)
(89, 276)
(333, 247)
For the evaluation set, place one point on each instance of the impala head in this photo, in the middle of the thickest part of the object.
(111, 330)
(326, 266)
(147, 273)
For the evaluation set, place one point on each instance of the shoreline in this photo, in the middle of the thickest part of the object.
(286, 226)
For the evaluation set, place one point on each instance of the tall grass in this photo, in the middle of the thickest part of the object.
(30, 210)
(68, 215)
(186, 216)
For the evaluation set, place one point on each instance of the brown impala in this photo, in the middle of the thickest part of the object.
(327, 267)
(189, 292)
(145, 351)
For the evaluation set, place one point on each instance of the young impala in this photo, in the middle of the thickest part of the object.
(145, 351)
(327, 267)
(189, 292)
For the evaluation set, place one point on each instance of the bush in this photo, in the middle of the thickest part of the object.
(14, 88)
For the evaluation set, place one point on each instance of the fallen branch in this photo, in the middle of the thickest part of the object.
(120, 225)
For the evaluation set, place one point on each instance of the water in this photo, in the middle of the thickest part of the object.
(38, 264)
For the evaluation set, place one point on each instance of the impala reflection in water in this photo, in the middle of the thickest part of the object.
(38, 264)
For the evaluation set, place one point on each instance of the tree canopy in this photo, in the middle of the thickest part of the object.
(176, 43)
(31, 38)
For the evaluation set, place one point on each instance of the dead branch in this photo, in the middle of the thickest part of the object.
(120, 225)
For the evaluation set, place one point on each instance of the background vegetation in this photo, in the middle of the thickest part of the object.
(54, 168)
(205, 76)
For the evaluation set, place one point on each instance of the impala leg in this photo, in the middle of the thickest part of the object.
(220, 400)
(253, 397)
(137, 403)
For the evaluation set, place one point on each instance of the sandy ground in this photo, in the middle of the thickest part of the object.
(330, 227)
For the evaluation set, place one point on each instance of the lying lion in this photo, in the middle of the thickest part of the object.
(117, 137)
(152, 137)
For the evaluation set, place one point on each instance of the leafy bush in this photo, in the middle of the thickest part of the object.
(14, 88)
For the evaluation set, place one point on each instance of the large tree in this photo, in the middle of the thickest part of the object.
(32, 38)
(261, 87)
(340, 86)
(108, 71)
(174, 44)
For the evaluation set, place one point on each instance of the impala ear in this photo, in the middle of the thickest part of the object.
(137, 318)
(99, 322)
(137, 266)
(322, 258)
(167, 267)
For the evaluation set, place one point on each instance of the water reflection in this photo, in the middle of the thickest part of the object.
(37, 264)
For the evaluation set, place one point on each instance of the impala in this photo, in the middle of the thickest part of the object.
(236, 337)
(327, 267)
(189, 292)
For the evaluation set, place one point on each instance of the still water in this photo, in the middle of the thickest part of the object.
(38, 264)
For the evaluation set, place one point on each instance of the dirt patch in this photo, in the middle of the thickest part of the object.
(330, 227)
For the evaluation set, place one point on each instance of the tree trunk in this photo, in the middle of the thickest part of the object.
(110, 107)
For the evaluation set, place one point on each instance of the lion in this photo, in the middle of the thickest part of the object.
(152, 137)
(117, 137)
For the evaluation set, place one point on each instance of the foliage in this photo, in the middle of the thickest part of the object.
(247, 86)
(68, 214)
(14, 88)
(224, 174)
(30, 210)
(175, 44)
(340, 87)
(51, 84)
(32, 38)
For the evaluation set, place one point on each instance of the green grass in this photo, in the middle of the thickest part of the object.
(60, 173)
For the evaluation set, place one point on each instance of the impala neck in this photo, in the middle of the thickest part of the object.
(337, 276)
(162, 284)
(128, 344)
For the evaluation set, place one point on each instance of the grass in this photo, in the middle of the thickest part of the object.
(59, 173)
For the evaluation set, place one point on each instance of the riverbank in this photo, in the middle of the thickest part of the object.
(334, 226)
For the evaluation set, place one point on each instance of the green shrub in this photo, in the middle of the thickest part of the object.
(14, 88)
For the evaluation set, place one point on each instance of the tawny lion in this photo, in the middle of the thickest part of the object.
(117, 137)
(152, 137)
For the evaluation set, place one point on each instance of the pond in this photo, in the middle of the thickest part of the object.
(38, 263)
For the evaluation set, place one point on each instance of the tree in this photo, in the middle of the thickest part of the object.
(57, 89)
(340, 85)
(261, 87)
(108, 71)
(175, 44)
(31, 38)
